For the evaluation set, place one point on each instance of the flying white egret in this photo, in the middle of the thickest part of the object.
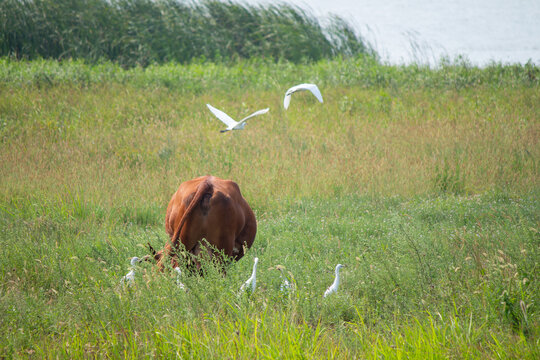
(252, 281)
(178, 282)
(334, 287)
(311, 87)
(230, 122)
(129, 278)
(286, 286)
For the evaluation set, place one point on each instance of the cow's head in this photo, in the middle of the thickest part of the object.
(159, 258)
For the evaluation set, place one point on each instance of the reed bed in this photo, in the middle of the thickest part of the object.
(143, 32)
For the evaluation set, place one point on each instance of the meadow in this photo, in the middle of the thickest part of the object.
(423, 181)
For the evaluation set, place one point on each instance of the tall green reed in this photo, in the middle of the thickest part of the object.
(142, 32)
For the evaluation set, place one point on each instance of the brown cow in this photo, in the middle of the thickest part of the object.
(211, 208)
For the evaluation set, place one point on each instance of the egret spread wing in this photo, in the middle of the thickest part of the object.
(287, 100)
(222, 116)
(315, 91)
(288, 93)
(260, 112)
(295, 89)
(311, 87)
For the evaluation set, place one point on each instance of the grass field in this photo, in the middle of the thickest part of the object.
(424, 182)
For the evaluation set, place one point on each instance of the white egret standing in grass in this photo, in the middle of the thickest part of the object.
(252, 281)
(178, 282)
(311, 87)
(230, 122)
(334, 287)
(129, 278)
(286, 286)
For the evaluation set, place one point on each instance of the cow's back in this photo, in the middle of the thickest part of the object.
(222, 216)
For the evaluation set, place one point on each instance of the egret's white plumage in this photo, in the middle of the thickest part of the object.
(311, 87)
(334, 287)
(286, 286)
(230, 122)
(129, 278)
(252, 281)
(178, 282)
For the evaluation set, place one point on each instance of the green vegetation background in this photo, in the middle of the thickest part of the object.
(143, 32)
(424, 181)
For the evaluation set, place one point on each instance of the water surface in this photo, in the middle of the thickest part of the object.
(425, 30)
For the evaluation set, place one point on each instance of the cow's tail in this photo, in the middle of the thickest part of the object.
(203, 188)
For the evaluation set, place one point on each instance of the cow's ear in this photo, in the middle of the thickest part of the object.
(158, 256)
(152, 251)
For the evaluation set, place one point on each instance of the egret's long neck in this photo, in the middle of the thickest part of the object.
(336, 280)
(254, 270)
